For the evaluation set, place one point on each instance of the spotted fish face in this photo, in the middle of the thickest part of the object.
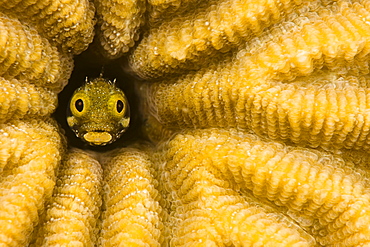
(98, 112)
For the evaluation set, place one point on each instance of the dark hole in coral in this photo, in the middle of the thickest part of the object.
(90, 64)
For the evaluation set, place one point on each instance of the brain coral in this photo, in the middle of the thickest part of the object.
(256, 118)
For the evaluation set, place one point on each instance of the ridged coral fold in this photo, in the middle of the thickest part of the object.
(131, 211)
(255, 122)
(185, 42)
(308, 85)
(24, 99)
(208, 172)
(37, 42)
(26, 55)
(68, 24)
(30, 153)
(208, 210)
(72, 213)
(163, 10)
(118, 25)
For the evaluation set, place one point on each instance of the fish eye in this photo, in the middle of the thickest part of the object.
(119, 106)
(79, 104)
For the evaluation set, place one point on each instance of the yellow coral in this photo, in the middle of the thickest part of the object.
(119, 23)
(155, 131)
(292, 71)
(25, 55)
(325, 194)
(22, 99)
(160, 11)
(278, 91)
(30, 153)
(32, 72)
(183, 42)
(132, 215)
(206, 209)
(74, 209)
(333, 116)
(65, 23)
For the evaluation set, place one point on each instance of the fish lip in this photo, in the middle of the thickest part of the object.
(98, 138)
(84, 129)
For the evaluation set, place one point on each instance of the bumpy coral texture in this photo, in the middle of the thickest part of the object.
(131, 213)
(324, 193)
(26, 55)
(161, 10)
(118, 25)
(23, 99)
(27, 175)
(186, 41)
(74, 209)
(207, 208)
(258, 112)
(307, 83)
(299, 77)
(37, 41)
(68, 24)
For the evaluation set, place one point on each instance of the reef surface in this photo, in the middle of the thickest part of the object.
(256, 117)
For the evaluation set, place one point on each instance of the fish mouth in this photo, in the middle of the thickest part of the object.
(98, 138)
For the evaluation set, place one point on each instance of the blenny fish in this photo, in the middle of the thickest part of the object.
(98, 112)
